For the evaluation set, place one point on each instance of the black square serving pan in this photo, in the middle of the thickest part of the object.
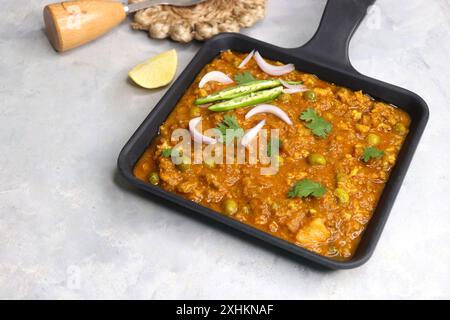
(325, 55)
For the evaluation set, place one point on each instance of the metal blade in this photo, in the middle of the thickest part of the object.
(133, 7)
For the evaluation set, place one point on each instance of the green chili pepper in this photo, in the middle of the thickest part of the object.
(251, 99)
(237, 91)
(243, 89)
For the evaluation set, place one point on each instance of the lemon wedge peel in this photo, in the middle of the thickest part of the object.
(156, 72)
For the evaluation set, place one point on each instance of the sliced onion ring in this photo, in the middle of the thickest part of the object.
(268, 108)
(293, 88)
(246, 60)
(252, 133)
(215, 76)
(196, 135)
(271, 69)
(291, 91)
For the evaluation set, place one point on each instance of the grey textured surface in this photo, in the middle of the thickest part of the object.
(70, 229)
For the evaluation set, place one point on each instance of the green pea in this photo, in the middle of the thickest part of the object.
(400, 128)
(154, 178)
(230, 207)
(195, 112)
(309, 95)
(316, 159)
(342, 195)
(373, 139)
(184, 165)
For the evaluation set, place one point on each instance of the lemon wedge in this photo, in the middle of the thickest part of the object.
(157, 71)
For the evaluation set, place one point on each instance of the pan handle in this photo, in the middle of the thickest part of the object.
(330, 42)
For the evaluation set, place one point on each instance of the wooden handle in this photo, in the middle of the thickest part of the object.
(73, 23)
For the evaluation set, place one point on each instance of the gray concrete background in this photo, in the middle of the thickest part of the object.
(69, 230)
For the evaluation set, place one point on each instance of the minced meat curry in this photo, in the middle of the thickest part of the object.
(334, 158)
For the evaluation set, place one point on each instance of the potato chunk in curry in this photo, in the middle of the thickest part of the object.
(315, 232)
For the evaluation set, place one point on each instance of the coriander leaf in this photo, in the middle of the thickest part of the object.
(229, 128)
(318, 125)
(228, 122)
(372, 152)
(305, 188)
(166, 153)
(308, 115)
(244, 77)
(272, 145)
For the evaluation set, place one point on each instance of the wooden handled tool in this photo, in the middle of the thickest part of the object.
(74, 23)
(71, 24)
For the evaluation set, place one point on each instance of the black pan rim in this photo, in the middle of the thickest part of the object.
(210, 50)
